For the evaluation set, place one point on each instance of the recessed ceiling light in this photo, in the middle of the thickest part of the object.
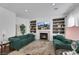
(26, 10)
(53, 4)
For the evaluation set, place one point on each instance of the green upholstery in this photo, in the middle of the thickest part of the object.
(60, 42)
(18, 42)
(62, 38)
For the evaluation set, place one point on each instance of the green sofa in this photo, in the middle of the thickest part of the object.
(17, 42)
(60, 42)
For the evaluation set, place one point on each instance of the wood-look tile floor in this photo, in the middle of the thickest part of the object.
(40, 47)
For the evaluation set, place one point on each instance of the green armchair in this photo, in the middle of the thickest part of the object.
(18, 42)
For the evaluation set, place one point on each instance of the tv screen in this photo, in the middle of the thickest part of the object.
(43, 25)
(40, 23)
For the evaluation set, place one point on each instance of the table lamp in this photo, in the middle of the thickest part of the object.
(3, 35)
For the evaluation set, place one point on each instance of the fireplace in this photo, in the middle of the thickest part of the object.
(44, 36)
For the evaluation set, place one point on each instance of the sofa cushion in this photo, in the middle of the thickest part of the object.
(23, 36)
(58, 42)
(59, 37)
(13, 39)
(68, 41)
(30, 35)
(62, 38)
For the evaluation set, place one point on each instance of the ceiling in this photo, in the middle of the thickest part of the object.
(35, 10)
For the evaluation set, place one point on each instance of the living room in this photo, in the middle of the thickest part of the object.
(50, 28)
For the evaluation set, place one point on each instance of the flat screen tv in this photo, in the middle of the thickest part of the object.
(43, 25)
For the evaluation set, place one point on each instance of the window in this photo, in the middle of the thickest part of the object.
(72, 21)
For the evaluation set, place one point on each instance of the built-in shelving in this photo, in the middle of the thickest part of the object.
(33, 26)
(59, 26)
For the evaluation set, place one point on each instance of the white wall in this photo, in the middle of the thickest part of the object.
(7, 23)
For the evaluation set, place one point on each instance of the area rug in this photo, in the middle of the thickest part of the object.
(40, 47)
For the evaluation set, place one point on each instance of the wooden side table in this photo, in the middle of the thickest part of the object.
(3, 45)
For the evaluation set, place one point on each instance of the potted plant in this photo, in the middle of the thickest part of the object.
(22, 29)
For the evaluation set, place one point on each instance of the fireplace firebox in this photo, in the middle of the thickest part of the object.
(44, 36)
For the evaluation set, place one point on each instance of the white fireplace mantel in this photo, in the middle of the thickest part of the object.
(43, 31)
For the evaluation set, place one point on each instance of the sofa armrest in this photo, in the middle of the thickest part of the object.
(67, 41)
